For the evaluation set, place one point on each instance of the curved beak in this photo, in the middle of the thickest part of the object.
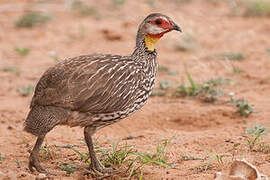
(176, 27)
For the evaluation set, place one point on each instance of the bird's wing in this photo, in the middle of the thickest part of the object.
(91, 83)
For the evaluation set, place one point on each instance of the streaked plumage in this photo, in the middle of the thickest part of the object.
(96, 90)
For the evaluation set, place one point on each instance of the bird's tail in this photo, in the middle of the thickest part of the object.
(42, 119)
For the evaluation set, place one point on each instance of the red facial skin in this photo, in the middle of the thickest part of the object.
(164, 24)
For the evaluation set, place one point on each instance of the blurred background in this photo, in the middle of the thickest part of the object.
(213, 81)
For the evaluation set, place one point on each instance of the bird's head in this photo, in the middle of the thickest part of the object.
(154, 27)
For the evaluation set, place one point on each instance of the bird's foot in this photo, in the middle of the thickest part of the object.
(34, 164)
(108, 171)
(101, 171)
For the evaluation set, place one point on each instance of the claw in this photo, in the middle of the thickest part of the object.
(35, 164)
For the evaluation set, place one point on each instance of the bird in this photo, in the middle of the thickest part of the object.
(96, 90)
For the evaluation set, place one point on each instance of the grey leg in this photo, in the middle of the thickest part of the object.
(33, 159)
(88, 139)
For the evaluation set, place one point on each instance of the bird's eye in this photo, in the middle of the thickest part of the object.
(158, 21)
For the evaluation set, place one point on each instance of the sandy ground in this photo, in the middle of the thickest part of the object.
(192, 125)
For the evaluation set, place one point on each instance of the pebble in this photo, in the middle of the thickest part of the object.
(41, 177)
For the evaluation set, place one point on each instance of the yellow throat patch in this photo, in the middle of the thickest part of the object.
(150, 42)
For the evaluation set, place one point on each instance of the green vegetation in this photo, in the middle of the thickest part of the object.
(218, 81)
(236, 71)
(267, 50)
(18, 163)
(233, 56)
(255, 135)
(128, 158)
(83, 9)
(244, 109)
(164, 84)
(158, 92)
(218, 158)
(207, 90)
(150, 3)
(12, 69)
(22, 51)
(48, 152)
(257, 8)
(1, 157)
(185, 157)
(117, 3)
(191, 90)
(32, 19)
(26, 90)
(69, 168)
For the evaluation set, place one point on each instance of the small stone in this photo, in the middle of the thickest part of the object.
(41, 177)
(23, 175)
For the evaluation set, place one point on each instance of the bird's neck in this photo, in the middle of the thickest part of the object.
(146, 57)
(144, 51)
(150, 42)
(147, 41)
(145, 46)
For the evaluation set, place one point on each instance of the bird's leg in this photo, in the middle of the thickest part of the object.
(88, 132)
(88, 139)
(33, 159)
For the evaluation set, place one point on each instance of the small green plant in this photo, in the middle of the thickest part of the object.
(236, 71)
(192, 90)
(125, 156)
(118, 155)
(31, 19)
(172, 72)
(82, 8)
(117, 3)
(267, 50)
(158, 92)
(164, 84)
(69, 168)
(1, 157)
(143, 159)
(12, 69)
(255, 134)
(264, 147)
(18, 163)
(188, 157)
(22, 51)
(208, 90)
(85, 157)
(244, 109)
(214, 156)
(257, 8)
(48, 152)
(150, 3)
(26, 90)
(158, 157)
(217, 81)
(233, 56)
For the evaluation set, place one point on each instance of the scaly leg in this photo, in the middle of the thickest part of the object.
(33, 159)
(88, 139)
